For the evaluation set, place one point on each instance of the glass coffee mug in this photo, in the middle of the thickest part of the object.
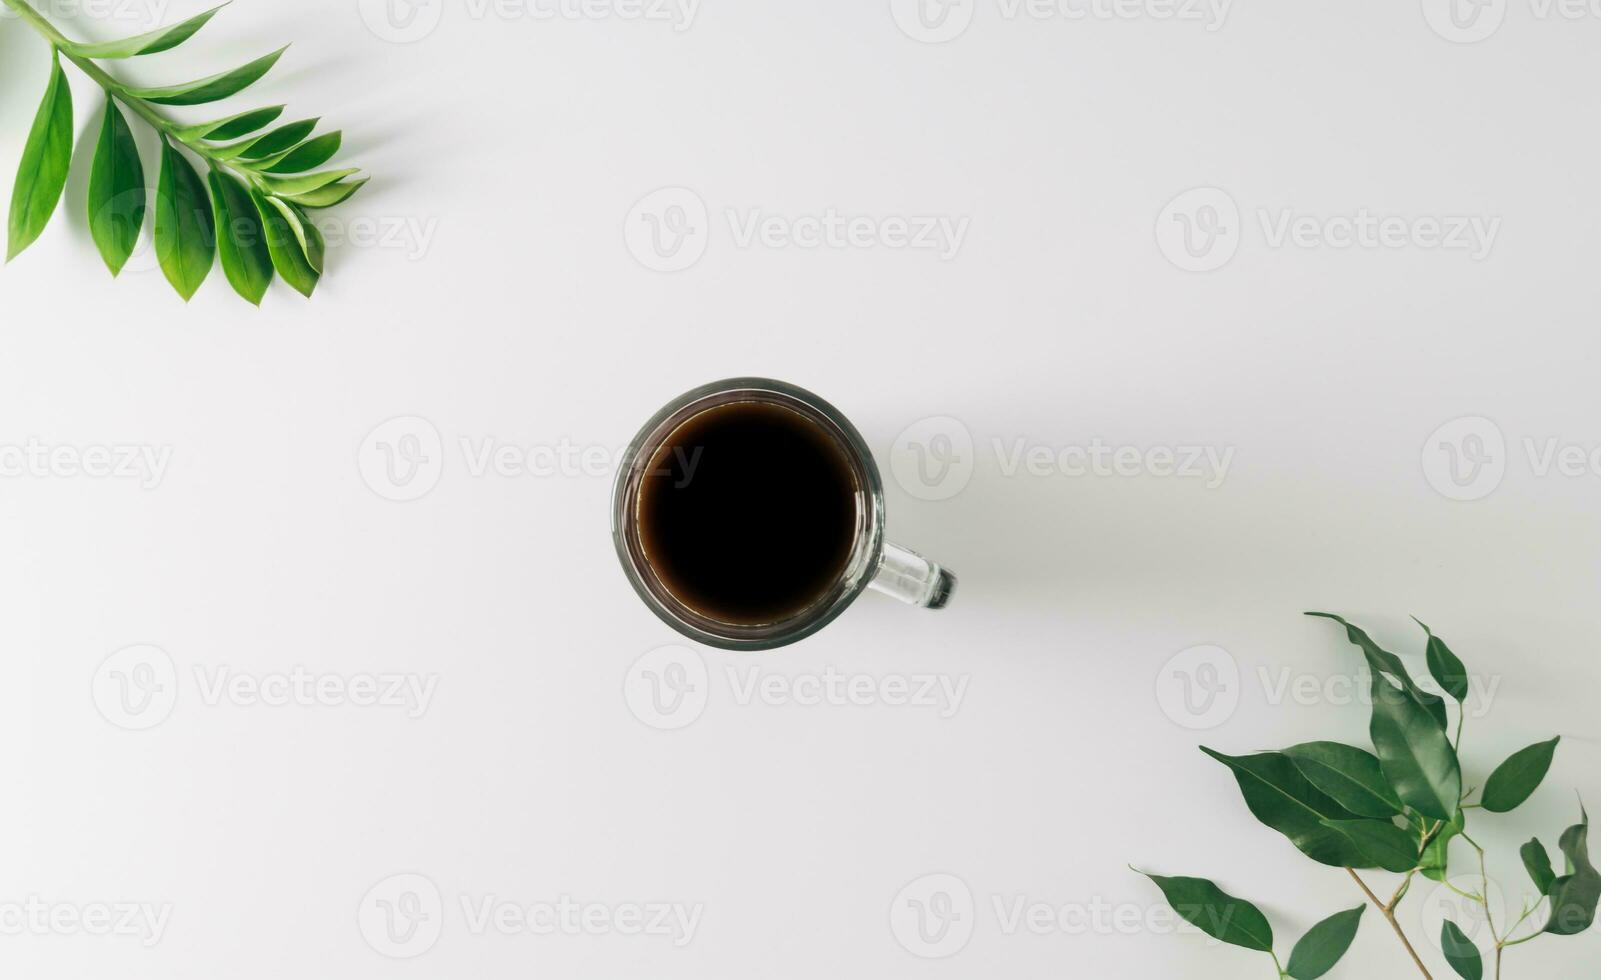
(749, 513)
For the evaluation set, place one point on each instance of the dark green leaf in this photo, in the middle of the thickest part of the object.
(1280, 797)
(1436, 856)
(1324, 944)
(185, 236)
(1414, 752)
(311, 244)
(1382, 661)
(307, 183)
(241, 240)
(308, 155)
(1444, 666)
(212, 88)
(1382, 845)
(1349, 775)
(269, 144)
(232, 127)
(116, 191)
(288, 256)
(1217, 913)
(1574, 896)
(156, 41)
(327, 197)
(1460, 952)
(1538, 862)
(45, 159)
(1516, 779)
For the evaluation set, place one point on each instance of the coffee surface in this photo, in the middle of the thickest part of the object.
(748, 513)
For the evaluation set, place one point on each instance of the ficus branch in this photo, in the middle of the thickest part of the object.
(1388, 911)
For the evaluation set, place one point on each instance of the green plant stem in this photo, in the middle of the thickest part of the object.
(166, 127)
(1277, 965)
(1388, 911)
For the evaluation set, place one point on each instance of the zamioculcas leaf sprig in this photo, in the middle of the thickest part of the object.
(250, 206)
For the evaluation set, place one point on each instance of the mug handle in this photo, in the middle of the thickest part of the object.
(911, 578)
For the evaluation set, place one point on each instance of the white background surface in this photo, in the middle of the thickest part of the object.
(510, 308)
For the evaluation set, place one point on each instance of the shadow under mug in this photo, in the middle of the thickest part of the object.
(873, 562)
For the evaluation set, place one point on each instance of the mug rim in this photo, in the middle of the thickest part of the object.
(866, 551)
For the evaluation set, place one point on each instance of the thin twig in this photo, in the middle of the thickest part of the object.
(1389, 916)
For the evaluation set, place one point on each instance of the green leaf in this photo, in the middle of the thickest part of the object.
(327, 197)
(288, 256)
(232, 127)
(1382, 845)
(156, 41)
(1574, 896)
(1324, 944)
(1349, 775)
(271, 143)
(1382, 661)
(1415, 753)
(1436, 856)
(241, 240)
(1538, 862)
(1217, 913)
(45, 160)
(1280, 797)
(306, 184)
(213, 87)
(308, 155)
(1460, 952)
(306, 234)
(116, 191)
(185, 235)
(1516, 779)
(1444, 666)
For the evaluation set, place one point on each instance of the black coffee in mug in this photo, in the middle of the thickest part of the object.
(748, 512)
